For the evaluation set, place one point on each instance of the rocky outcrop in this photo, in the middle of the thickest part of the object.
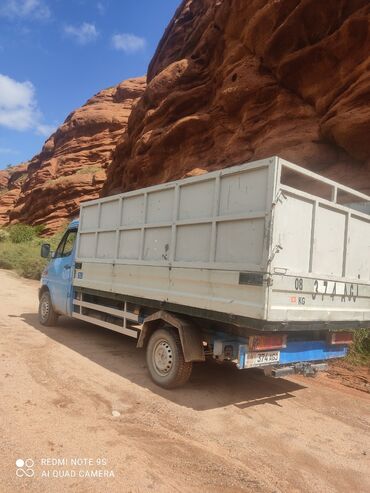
(235, 80)
(4, 179)
(11, 181)
(71, 166)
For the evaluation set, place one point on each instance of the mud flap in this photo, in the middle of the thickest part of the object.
(190, 335)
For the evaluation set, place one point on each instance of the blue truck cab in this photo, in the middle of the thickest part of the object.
(56, 289)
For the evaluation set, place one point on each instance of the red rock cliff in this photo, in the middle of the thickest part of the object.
(71, 165)
(236, 80)
(11, 181)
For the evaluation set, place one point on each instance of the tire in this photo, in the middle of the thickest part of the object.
(47, 315)
(165, 359)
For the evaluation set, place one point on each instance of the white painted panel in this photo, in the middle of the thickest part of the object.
(358, 255)
(160, 206)
(157, 243)
(110, 215)
(133, 210)
(193, 243)
(217, 290)
(87, 245)
(329, 242)
(106, 245)
(244, 192)
(90, 217)
(240, 241)
(293, 226)
(196, 200)
(129, 244)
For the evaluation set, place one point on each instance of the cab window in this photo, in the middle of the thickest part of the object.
(66, 245)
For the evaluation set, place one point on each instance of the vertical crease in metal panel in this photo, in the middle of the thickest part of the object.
(96, 236)
(175, 217)
(142, 238)
(313, 230)
(346, 243)
(215, 213)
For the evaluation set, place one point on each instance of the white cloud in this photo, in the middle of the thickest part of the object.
(84, 34)
(27, 9)
(18, 107)
(17, 103)
(129, 43)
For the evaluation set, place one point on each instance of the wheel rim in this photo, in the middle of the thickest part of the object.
(162, 358)
(44, 308)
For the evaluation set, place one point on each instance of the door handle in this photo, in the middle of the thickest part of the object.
(67, 267)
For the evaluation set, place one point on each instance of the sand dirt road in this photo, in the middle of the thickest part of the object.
(226, 431)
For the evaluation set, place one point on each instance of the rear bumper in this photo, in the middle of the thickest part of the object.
(309, 351)
(296, 352)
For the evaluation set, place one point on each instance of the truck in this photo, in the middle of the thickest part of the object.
(263, 265)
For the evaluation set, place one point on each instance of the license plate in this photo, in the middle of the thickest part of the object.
(262, 358)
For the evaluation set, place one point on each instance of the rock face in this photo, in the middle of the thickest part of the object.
(71, 165)
(235, 80)
(11, 181)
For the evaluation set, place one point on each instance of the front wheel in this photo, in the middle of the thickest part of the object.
(165, 359)
(47, 315)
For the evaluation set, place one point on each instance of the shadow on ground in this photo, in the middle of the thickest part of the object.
(211, 385)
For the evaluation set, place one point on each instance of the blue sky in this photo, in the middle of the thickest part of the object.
(55, 54)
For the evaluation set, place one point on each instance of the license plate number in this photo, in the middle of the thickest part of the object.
(262, 358)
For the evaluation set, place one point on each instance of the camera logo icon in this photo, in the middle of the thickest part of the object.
(24, 468)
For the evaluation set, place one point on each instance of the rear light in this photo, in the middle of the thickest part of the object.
(340, 338)
(264, 343)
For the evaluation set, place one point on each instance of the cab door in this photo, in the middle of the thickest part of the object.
(60, 273)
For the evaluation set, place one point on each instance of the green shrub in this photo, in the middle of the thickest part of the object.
(24, 256)
(360, 349)
(362, 342)
(5, 263)
(4, 235)
(32, 270)
(39, 229)
(20, 233)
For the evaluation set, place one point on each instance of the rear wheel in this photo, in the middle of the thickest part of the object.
(165, 359)
(47, 315)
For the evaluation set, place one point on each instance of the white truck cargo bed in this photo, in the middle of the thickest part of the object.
(268, 244)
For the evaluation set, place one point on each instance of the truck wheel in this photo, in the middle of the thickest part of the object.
(165, 359)
(47, 315)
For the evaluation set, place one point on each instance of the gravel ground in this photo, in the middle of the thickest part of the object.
(77, 401)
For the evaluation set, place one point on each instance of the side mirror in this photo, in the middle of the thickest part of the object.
(45, 250)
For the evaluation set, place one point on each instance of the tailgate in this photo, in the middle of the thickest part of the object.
(320, 251)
